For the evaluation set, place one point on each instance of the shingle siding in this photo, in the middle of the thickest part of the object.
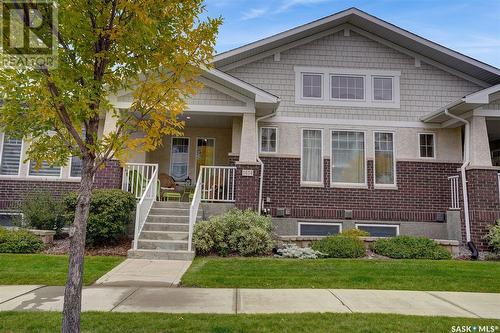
(211, 96)
(423, 89)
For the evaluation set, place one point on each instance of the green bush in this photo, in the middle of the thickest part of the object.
(19, 241)
(109, 216)
(340, 246)
(493, 236)
(41, 211)
(242, 232)
(356, 233)
(407, 247)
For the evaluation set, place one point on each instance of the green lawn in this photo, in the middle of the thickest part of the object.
(451, 275)
(159, 322)
(49, 269)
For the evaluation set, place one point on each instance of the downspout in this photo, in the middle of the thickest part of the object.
(261, 206)
(465, 164)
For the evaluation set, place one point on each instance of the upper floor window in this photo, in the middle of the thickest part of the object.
(11, 156)
(382, 88)
(426, 145)
(312, 85)
(268, 139)
(348, 87)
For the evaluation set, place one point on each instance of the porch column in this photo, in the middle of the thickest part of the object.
(480, 155)
(248, 144)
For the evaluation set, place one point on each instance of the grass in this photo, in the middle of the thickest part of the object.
(309, 322)
(50, 269)
(450, 275)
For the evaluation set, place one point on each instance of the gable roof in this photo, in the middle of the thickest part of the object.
(387, 31)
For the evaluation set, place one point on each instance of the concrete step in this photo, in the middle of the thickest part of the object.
(167, 219)
(171, 245)
(161, 226)
(169, 211)
(164, 235)
(160, 255)
(171, 204)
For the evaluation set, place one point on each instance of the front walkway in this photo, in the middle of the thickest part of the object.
(235, 301)
(145, 273)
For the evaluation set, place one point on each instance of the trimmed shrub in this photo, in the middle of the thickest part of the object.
(242, 232)
(493, 236)
(340, 246)
(110, 214)
(408, 247)
(356, 233)
(41, 211)
(19, 241)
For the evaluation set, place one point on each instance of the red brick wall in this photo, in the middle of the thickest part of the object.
(423, 190)
(484, 203)
(14, 190)
(247, 187)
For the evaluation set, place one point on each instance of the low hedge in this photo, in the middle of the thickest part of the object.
(493, 236)
(110, 214)
(19, 241)
(40, 210)
(408, 247)
(340, 246)
(244, 233)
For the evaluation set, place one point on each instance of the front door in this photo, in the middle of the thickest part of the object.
(179, 159)
(205, 152)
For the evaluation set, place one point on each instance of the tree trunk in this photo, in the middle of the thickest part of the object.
(73, 290)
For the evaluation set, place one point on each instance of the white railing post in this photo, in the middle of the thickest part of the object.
(455, 196)
(218, 183)
(193, 208)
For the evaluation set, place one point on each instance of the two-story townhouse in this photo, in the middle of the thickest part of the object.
(344, 122)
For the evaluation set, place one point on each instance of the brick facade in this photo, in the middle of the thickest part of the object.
(247, 187)
(14, 190)
(484, 203)
(423, 190)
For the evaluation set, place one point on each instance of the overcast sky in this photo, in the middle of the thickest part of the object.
(471, 27)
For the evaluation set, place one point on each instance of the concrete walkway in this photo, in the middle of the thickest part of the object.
(145, 273)
(235, 301)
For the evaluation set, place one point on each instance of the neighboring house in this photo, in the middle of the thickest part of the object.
(347, 121)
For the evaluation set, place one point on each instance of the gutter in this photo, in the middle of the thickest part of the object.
(470, 244)
(272, 114)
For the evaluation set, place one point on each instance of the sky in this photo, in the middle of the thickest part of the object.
(471, 27)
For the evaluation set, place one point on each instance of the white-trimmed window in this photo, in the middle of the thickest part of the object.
(268, 139)
(348, 158)
(75, 170)
(379, 230)
(312, 157)
(426, 145)
(312, 85)
(45, 170)
(179, 159)
(385, 165)
(382, 88)
(319, 228)
(11, 156)
(346, 87)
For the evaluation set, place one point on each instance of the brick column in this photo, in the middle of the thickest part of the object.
(484, 203)
(110, 176)
(247, 183)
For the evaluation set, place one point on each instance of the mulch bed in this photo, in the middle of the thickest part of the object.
(61, 246)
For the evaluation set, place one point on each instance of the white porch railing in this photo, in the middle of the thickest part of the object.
(499, 186)
(217, 183)
(193, 209)
(142, 181)
(136, 177)
(455, 192)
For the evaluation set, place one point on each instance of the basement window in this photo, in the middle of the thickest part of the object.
(379, 230)
(319, 229)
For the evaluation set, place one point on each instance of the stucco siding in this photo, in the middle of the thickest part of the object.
(422, 89)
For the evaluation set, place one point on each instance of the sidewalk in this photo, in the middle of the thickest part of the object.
(235, 301)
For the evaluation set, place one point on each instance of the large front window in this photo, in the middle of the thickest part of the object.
(11, 156)
(179, 159)
(384, 159)
(205, 152)
(348, 157)
(312, 156)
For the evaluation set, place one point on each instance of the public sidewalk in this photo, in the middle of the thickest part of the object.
(235, 301)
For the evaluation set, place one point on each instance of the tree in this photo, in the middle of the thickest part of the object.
(154, 48)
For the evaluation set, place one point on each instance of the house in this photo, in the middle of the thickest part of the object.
(344, 122)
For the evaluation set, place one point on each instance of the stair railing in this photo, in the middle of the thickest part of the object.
(146, 201)
(193, 209)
